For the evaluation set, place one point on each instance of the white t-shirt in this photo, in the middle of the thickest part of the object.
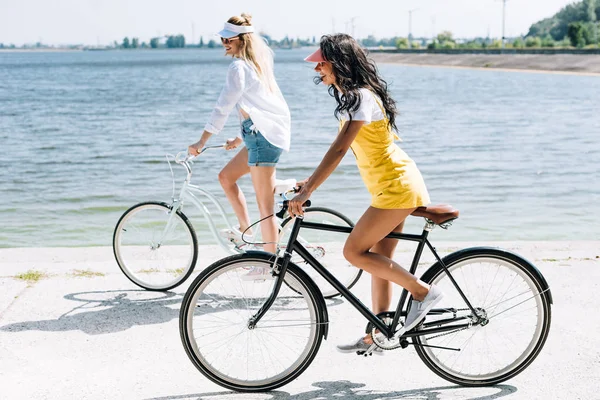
(369, 109)
(268, 110)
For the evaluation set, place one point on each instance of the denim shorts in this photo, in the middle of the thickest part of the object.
(261, 153)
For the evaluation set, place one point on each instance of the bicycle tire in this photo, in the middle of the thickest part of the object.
(149, 272)
(205, 298)
(351, 276)
(525, 277)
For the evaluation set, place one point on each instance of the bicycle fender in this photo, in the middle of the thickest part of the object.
(494, 251)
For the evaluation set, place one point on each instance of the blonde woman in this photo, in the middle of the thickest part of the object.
(250, 88)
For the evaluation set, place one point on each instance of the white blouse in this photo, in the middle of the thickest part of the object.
(268, 110)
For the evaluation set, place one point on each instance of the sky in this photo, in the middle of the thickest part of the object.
(100, 22)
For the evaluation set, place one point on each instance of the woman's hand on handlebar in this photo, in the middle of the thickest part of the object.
(196, 148)
(300, 184)
(295, 204)
(231, 144)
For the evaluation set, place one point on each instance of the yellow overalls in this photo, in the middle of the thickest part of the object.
(389, 174)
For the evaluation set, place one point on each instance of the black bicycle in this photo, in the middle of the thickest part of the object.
(255, 336)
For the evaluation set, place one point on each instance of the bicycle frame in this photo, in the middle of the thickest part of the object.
(388, 331)
(191, 193)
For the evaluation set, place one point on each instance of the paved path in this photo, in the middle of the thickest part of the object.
(99, 337)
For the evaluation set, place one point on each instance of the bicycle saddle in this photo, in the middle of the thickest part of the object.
(439, 214)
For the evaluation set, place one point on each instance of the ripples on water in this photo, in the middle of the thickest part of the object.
(83, 137)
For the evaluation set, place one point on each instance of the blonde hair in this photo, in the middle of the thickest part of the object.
(256, 52)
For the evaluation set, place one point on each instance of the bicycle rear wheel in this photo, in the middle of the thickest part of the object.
(326, 247)
(513, 299)
(155, 249)
(214, 330)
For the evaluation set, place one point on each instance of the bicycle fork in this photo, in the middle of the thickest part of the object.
(279, 274)
(175, 206)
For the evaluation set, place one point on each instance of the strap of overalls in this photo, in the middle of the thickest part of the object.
(396, 137)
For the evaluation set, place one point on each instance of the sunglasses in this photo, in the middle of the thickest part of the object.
(229, 40)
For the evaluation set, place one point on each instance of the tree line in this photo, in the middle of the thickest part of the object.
(576, 25)
(170, 42)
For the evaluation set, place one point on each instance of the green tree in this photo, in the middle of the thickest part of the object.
(201, 44)
(175, 42)
(576, 34)
(445, 36)
(135, 43)
(212, 44)
(415, 44)
(402, 43)
(591, 11)
(547, 41)
(533, 42)
(434, 45)
(518, 43)
(154, 43)
(496, 44)
(125, 43)
(558, 25)
(370, 41)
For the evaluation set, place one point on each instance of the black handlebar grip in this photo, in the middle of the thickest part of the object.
(281, 213)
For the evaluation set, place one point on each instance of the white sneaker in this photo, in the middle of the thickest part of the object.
(419, 309)
(360, 347)
(257, 274)
(235, 236)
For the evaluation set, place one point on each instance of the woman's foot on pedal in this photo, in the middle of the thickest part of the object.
(235, 236)
(359, 347)
(419, 309)
(257, 274)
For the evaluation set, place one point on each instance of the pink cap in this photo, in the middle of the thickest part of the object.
(317, 56)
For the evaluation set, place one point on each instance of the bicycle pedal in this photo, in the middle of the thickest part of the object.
(364, 353)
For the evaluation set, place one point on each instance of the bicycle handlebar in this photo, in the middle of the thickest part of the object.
(183, 156)
(281, 213)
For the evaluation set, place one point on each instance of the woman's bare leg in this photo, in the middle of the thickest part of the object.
(381, 289)
(229, 175)
(371, 229)
(263, 179)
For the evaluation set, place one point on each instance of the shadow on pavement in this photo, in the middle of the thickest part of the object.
(347, 389)
(103, 312)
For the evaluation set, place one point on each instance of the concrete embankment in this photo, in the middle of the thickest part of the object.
(587, 64)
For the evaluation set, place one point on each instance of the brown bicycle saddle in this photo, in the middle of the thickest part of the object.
(439, 214)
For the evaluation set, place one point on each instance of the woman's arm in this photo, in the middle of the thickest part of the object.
(332, 159)
(230, 95)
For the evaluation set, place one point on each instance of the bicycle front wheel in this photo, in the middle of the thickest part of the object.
(154, 247)
(214, 328)
(326, 247)
(514, 303)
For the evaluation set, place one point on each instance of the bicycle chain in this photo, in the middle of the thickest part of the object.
(454, 331)
(394, 347)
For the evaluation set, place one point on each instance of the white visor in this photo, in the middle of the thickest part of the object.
(231, 30)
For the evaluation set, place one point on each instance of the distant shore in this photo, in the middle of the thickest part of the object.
(579, 64)
(40, 50)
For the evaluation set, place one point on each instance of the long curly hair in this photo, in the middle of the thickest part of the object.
(353, 70)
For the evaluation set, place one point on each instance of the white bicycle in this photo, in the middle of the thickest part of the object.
(156, 247)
